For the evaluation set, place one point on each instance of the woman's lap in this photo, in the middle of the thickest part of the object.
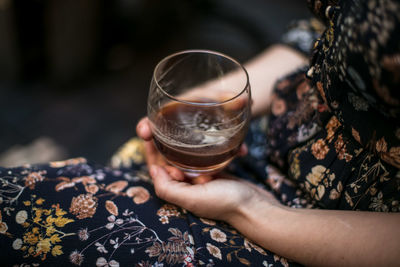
(74, 212)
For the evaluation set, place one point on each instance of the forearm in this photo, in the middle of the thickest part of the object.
(266, 68)
(324, 237)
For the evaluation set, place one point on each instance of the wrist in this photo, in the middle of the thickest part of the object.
(261, 209)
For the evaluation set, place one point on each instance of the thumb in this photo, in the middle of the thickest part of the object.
(143, 129)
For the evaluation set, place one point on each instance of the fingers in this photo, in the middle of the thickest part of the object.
(235, 104)
(161, 181)
(153, 157)
(175, 173)
(167, 188)
(202, 179)
(152, 154)
(143, 129)
(243, 150)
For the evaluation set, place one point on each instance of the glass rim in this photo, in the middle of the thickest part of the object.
(202, 51)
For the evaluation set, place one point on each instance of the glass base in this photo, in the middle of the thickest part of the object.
(196, 172)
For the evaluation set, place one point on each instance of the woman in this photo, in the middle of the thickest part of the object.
(341, 133)
(333, 154)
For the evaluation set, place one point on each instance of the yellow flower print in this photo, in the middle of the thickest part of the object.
(30, 238)
(61, 221)
(46, 212)
(50, 220)
(56, 251)
(43, 230)
(59, 212)
(43, 246)
(38, 215)
(50, 230)
(39, 201)
(55, 239)
(316, 175)
(31, 251)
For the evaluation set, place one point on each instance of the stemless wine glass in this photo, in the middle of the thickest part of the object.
(199, 110)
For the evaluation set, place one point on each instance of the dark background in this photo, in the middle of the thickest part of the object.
(77, 71)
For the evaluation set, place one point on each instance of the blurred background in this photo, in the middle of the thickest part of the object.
(74, 74)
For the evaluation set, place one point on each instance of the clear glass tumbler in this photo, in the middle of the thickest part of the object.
(199, 110)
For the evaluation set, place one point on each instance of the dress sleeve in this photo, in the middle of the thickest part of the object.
(302, 34)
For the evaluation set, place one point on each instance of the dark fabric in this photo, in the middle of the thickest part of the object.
(337, 134)
(76, 213)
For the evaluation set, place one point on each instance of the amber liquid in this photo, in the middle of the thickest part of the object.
(197, 139)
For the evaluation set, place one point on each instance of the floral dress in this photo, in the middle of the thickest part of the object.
(332, 141)
(335, 126)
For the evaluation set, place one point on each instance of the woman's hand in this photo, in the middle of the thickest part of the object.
(153, 157)
(221, 197)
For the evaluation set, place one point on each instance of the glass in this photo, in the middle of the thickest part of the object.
(199, 110)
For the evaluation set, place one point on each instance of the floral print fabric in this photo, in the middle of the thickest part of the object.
(74, 213)
(334, 130)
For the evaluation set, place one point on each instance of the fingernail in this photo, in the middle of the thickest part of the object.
(153, 170)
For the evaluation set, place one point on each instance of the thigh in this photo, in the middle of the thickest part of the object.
(76, 213)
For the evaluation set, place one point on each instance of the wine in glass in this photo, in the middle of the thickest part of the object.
(199, 110)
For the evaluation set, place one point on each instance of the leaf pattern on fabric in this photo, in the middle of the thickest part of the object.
(83, 215)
